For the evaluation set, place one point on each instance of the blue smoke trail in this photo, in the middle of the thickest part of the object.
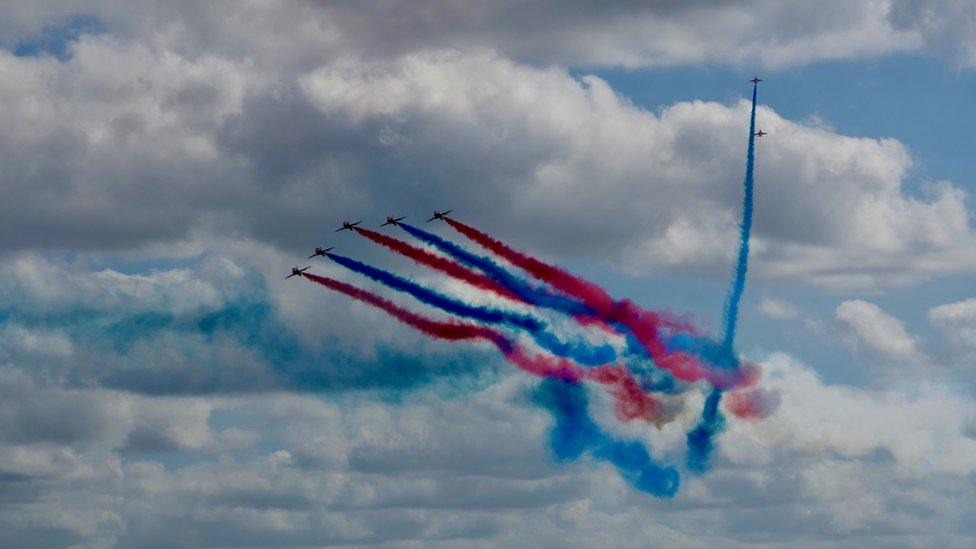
(700, 439)
(521, 288)
(731, 317)
(700, 443)
(579, 352)
(575, 433)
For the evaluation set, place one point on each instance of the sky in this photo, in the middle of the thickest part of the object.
(166, 163)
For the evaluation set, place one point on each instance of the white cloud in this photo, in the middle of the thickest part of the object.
(925, 429)
(881, 333)
(177, 143)
(958, 319)
(580, 32)
(474, 469)
(778, 308)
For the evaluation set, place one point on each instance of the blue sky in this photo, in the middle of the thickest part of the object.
(165, 165)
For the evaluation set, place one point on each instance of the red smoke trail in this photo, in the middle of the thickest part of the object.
(643, 324)
(439, 263)
(631, 402)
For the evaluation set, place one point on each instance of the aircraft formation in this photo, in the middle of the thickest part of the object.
(349, 226)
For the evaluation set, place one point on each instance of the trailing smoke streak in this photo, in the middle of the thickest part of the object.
(631, 402)
(645, 325)
(700, 443)
(436, 299)
(574, 433)
(579, 352)
(731, 317)
(454, 331)
(527, 292)
(439, 263)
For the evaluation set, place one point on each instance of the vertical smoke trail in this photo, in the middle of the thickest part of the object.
(439, 263)
(575, 433)
(700, 443)
(580, 352)
(631, 402)
(536, 296)
(731, 317)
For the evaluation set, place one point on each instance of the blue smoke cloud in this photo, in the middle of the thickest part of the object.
(580, 352)
(240, 345)
(701, 439)
(575, 433)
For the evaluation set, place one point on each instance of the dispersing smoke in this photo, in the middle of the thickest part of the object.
(575, 433)
(631, 402)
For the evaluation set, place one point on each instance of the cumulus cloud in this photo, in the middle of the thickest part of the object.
(206, 401)
(958, 320)
(881, 333)
(175, 149)
(580, 32)
(948, 27)
(351, 469)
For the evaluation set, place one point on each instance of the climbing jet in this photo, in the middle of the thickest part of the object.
(761, 133)
(321, 252)
(756, 80)
(347, 225)
(295, 271)
(390, 220)
(439, 215)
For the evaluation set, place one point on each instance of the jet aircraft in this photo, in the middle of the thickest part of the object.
(295, 271)
(390, 220)
(347, 225)
(756, 80)
(321, 252)
(761, 133)
(439, 215)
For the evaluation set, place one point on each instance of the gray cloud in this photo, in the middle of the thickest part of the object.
(771, 483)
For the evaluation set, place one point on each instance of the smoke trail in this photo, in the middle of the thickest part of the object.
(575, 433)
(580, 351)
(528, 293)
(439, 263)
(443, 330)
(700, 443)
(731, 317)
(631, 402)
(591, 294)
(700, 439)
(436, 299)
(644, 325)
